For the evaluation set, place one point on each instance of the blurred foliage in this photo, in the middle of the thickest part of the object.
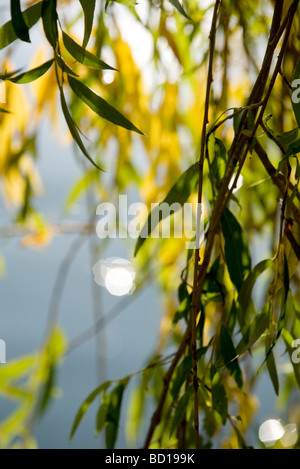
(143, 125)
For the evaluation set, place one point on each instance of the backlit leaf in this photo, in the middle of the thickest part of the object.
(293, 149)
(219, 397)
(101, 418)
(181, 408)
(8, 75)
(47, 390)
(16, 369)
(100, 106)
(245, 294)
(271, 365)
(49, 16)
(180, 8)
(113, 414)
(86, 405)
(83, 56)
(286, 289)
(238, 258)
(88, 7)
(18, 22)
(32, 75)
(255, 330)
(229, 356)
(79, 188)
(74, 130)
(179, 194)
(30, 16)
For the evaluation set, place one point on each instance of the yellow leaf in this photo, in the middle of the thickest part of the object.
(38, 240)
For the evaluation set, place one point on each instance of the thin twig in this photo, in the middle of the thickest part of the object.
(60, 283)
(57, 229)
(266, 99)
(103, 322)
(195, 302)
(156, 418)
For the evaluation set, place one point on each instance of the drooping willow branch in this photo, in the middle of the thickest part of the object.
(195, 303)
(190, 335)
(237, 156)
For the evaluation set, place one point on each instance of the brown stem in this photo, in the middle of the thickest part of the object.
(238, 145)
(156, 418)
(259, 120)
(195, 299)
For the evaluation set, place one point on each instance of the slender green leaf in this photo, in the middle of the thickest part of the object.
(293, 149)
(281, 322)
(183, 371)
(16, 369)
(74, 130)
(180, 8)
(245, 294)
(49, 16)
(241, 441)
(237, 252)
(181, 409)
(229, 356)
(30, 16)
(214, 277)
(178, 195)
(113, 414)
(128, 3)
(14, 393)
(218, 165)
(79, 188)
(86, 405)
(219, 397)
(88, 7)
(286, 283)
(100, 106)
(135, 412)
(183, 310)
(101, 418)
(32, 75)
(83, 56)
(18, 22)
(285, 138)
(271, 365)
(255, 330)
(47, 390)
(7, 76)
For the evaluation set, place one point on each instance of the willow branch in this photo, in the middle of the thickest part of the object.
(259, 120)
(195, 302)
(277, 178)
(156, 418)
